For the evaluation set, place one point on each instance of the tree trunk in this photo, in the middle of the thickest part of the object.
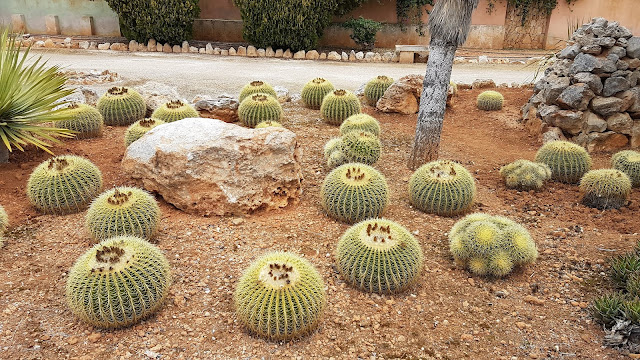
(4, 153)
(433, 102)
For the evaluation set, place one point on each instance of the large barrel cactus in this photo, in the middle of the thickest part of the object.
(258, 108)
(173, 111)
(118, 282)
(64, 184)
(123, 211)
(139, 128)
(360, 122)
(354, 192)
(121, 106)
(628, 161)
(338, 105)
(361, 146)
(85, 120)
(442, 187)
(567, 161)
(314, 91)
(280, 297)
(605, 189)
(379, 255)
(256, 87)
(375, 88)
(525, 175)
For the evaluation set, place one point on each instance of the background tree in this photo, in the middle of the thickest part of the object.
(449, 23)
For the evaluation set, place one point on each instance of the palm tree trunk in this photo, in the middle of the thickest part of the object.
(4, 154)
(432, 103)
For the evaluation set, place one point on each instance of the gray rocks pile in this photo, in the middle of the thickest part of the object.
(592, 93)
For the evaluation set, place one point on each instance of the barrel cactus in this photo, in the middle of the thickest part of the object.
(361, 146)
(280, 297)
(567, 161)
(123, 211)
(354, 192)
(85, 120)
(266, 124)
(375, 88)
(491, 245)
(525, 175)
(118, 282)
(360, 122)
(173, 111)
(338, 105)
(64, 184)
(442, 187)
(258, 108)
(4, 223)
(314, 91)
(121, 106)
(490, 101)
(379, 255)
(628, 161)
(605, 189)
(336, 159)
(256, 87)
(139, 128)
(331, 146)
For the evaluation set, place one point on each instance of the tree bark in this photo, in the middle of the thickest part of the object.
(4, 153)
(433, 102)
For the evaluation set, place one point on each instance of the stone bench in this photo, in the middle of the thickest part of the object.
(407, 52)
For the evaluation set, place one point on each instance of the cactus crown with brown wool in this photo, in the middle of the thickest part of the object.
(442, 187)
(64, 184)
(85, 120)
(258, 108)
(139, 128)
(605, 189)
(255, 87)
(628, 161)
(375, 88)
(173, 111)
(314, 91)
(567, 161)
(121, 106)
(338, 105)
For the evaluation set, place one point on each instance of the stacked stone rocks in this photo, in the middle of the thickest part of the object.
(591, 94)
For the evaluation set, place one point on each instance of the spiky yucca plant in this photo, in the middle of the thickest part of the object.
(28, 95)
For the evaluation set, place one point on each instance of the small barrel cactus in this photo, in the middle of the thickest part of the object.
(491, 245)
(567, 161)
(338, 105)
(139, 128)
(336, 159)
(361, 146)
(360, 122)
(280, 297)
(4, 223)
(490, 101)
(256, 87)
(258, 108)
(442, 187)
(173, 111)
(354, 192)
(121, 106)
(605, 189)
(314, 91)
(266, 124)
(525, 175)
(379, 255)
(375, 88)
(628, 161)
(64, 184)
(331, 146)
(123, 211)
(118, 282)
(85, 120)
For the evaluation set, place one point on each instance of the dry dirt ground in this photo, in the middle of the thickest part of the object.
(536, 312)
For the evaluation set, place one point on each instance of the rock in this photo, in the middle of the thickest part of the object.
(618, 51)
(402, 96)
(282, 93)
(232, 52)
(133, 45)
(555, 86)
(209, 49)
(299, 55)
(583, 63)
(482, 84)
(606, 106)
(177, 49)
(614, 85)
(620, 123)
(594, 82)
(629, 99)
(252, 51)
(333, 55)
(635, 135)
(387, 56)
(151, 45)
(118, 47)
(261, 52)
(156, 94)
(312, 55)
(352, 56)
(606, 141)
(534, 300)
(193, 50)
(569, 52)
(103, 46)
(592, 49)
(167, 48)
(604, 41)
(606, 64)
(635, 107)
(160, 47)
(39, 43)
(209, 167)
(224, 52)
(368, 57)
(553, 134)
(593, 122)
(344, 56)
(94, 337)
(286, 55)
(633, 47)
(90, 95)
(568, 121)
(576, 97)
(185, 47)
(84, 45)
(224, 107)
(242, 51)
(359, 55)
(360, 90)
(633, 63)
(269, 52)
(279, 53)
(483, 59)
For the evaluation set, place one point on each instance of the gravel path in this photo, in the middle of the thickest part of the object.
(196, 74)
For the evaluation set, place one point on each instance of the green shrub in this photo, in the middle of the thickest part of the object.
(363, 31)
(167, 21)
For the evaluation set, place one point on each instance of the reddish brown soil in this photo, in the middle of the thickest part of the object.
(537, 311)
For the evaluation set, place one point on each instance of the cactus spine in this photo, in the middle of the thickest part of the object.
(118, 282)
(375, 88)
(256, 87)
(121, 106)
(379, 255)
(605, 189)
(442, 187)
(567, 161)
(84, 119)
(314, 91)
(280, 297)
(490, 101)
(64, 184)
(525, 175)
(258, 108)
(361, 146)
(360, 122)
(173, 111)
(139, 128)
(354, 192)
(338, 105)
(123, 211)
(628, 161)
